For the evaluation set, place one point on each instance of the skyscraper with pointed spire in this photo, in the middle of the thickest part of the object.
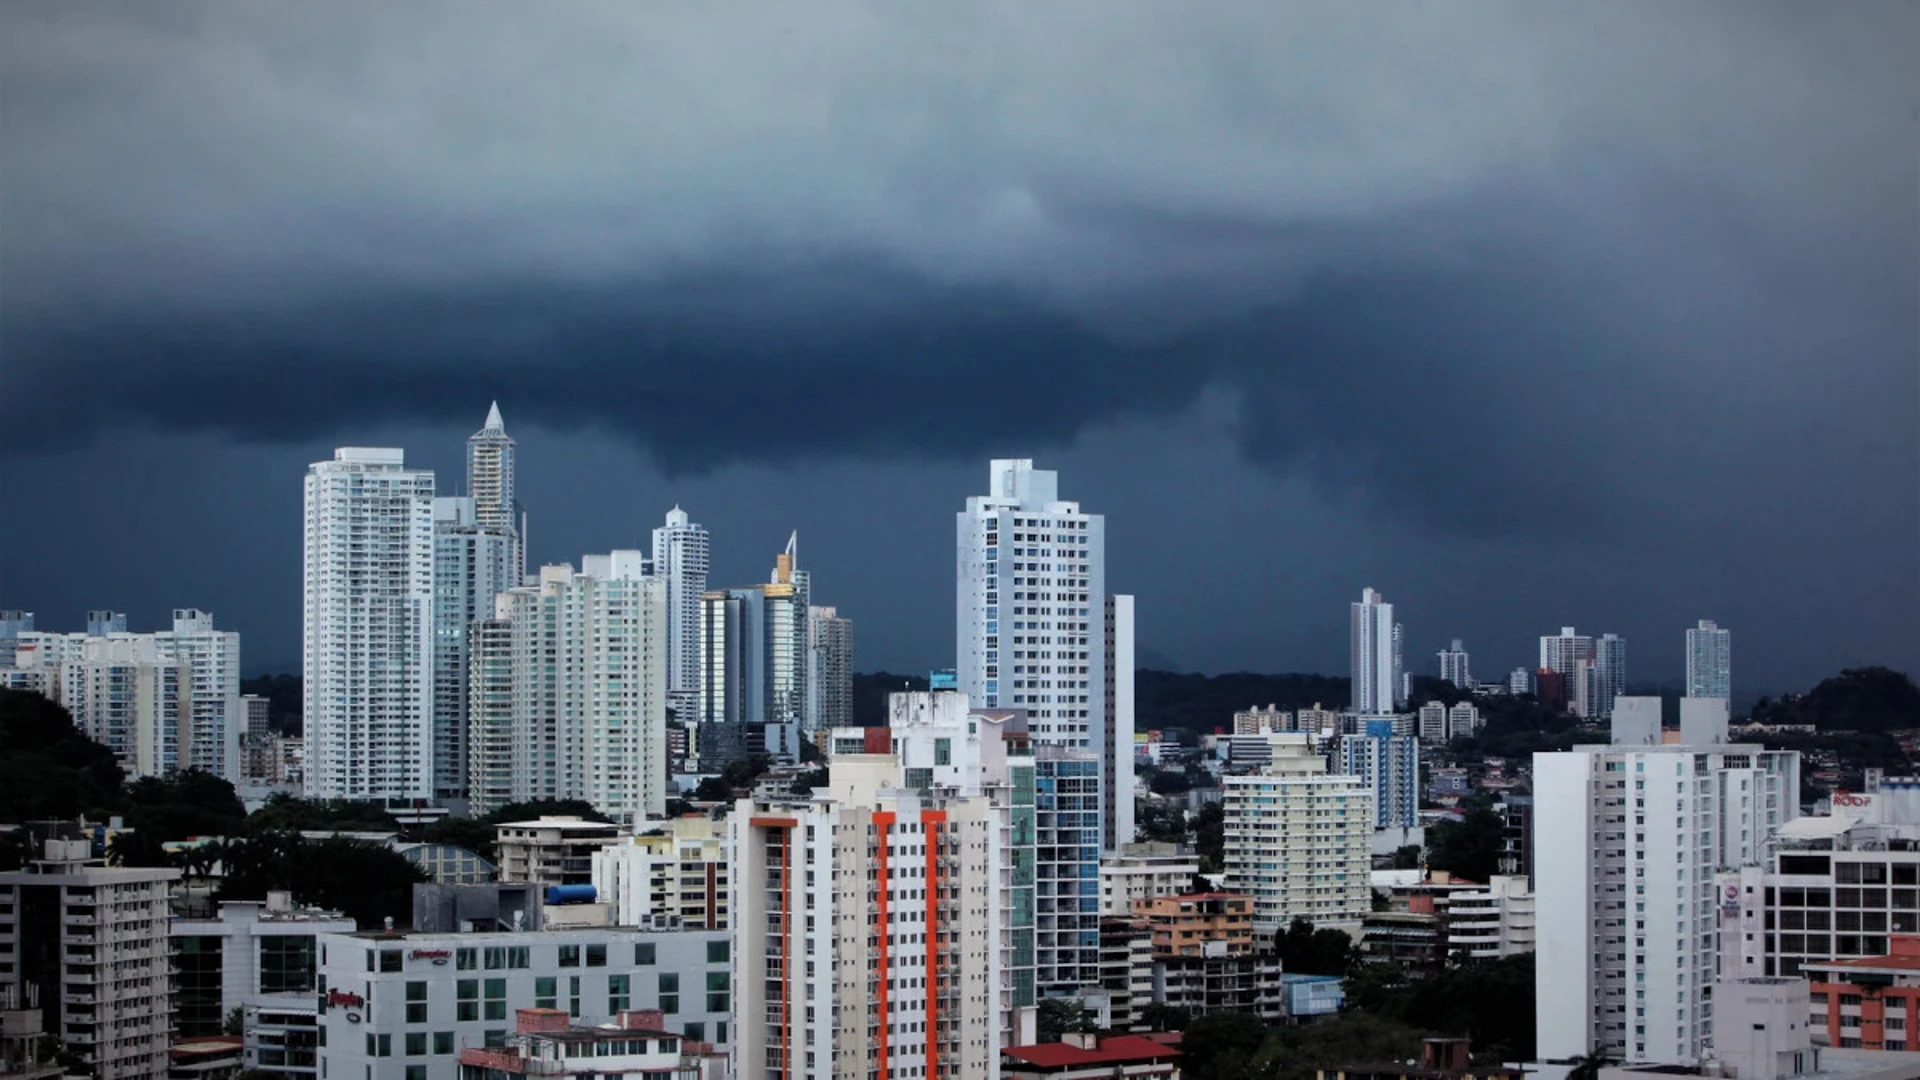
(680, 557)
(490, 467)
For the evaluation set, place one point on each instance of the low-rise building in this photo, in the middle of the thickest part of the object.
(1204, 960)
(1086, 1056)
(1868, 1002)
(1493, 921)
(677, 871)
(401, 1006)
(1440, 1059)
(26, 1053)
(554, 850)
(1144, 872)
(636, 1043)
(1126, 972)
(447, 864)
(261, 958)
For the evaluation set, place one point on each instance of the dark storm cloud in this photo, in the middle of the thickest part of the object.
(1490, 267)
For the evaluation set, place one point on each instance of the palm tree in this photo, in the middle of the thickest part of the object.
(1588, 1066)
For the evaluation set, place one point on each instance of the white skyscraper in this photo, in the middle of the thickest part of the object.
(1709, 661)
(680, 558)
(1627, 840)
(213, 666)
(1371, 647)
(586, 708)
(367, 619)
(472, 563)
(1609, 674)
(490, 484)
(1031, 623)
(1454, 665)
(829, 669)
(1560, 652)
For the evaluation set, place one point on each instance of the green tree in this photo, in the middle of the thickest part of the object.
(1159, 1017)
(368, 882)
(1056, 1016)
(48, 769)
(1468, 848)
(743, 772)
(1298, 1052)
(285, 813)
(1308, 951)
(805, 783)
(713, 789)
(1588, 1066)
(1406, 857)
(1222, 1045)
(184, 805)
(1210, 833)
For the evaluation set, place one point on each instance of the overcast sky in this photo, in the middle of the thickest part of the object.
(1526, 314)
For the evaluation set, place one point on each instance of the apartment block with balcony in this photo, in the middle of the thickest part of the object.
(555, 849)
(1299, 844)
(93, 940)
(1204, 956)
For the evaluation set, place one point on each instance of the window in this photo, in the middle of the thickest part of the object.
(463, 959)
(496, 957)
(717, 992)
(643, 953)
(943, 751)
(417, 1004)
(496, 999)
(569, 956)
(389, 960)
(573, 996)
(416, 1043)
(443, 1042)
(416, 1072)
(596, 956)
(717, 951)
(467, 999)
(670, 991)
(286, 964)
(544, 992)
(517, 958)
(385, 1043)
(619, 992)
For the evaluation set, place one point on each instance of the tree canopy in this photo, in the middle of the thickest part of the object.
(1468, 848)
(1309, 951)
(1870, 699)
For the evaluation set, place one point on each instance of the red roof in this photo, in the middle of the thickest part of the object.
(1116, 1050)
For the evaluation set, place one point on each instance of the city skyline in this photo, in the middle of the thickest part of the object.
(1491, 339)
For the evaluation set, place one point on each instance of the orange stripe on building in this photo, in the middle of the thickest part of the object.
(930, 821)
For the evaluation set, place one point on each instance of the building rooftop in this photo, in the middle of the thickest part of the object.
(1118, 1050)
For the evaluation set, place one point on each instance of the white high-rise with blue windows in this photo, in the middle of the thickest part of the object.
(1389, 765)
(1709, 661)
(1371, 641)
(1035, 629)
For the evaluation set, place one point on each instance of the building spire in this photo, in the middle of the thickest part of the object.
(494, 423)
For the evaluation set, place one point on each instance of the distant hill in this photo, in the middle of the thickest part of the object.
(1858, 699)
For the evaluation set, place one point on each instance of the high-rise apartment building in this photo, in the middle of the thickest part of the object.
(1455, 666)
(490, 484)
(1389, 765)
(1035, 630)
(755, 648)
(1709, 661)
(878, 925)
(367, 619)
(1401, 688)
(587, 697)
(472, 563)
(1370, 645)
(829, 670)
(1609, 674)
(680, 555)
(1628, 838)
(121, 691)
(490, 732)
(186, 716)
(93, 940)
(1595, 670)
(1299, 842)
(675, 871)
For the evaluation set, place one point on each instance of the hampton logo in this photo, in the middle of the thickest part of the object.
(438, 956)
(1841, 798)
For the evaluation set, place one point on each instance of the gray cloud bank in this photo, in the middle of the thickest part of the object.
(1491, 267)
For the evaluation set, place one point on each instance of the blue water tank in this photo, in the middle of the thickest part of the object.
(570, 894)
